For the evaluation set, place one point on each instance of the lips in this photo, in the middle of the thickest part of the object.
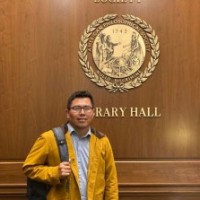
(82, 119)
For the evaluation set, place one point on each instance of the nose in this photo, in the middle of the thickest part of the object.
(82, 111)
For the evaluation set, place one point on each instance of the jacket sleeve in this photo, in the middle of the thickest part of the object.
(35, 165)
(111, 187)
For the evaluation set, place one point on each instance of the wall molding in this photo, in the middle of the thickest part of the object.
(136, 178)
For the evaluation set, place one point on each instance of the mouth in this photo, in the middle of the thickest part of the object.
(82, 120)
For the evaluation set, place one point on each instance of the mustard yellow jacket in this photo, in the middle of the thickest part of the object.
(42, 164)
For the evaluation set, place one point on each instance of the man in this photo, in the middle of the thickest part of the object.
(90, 173)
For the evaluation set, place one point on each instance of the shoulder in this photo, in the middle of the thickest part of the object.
(47, 141)
(98, 134)
(47, 136)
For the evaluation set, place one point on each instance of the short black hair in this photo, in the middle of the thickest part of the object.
(80, 94)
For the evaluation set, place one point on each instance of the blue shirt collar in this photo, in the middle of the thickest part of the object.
(72, 130)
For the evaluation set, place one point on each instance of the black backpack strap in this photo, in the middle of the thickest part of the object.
(59, 133)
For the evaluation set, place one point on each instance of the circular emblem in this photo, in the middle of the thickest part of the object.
(119, 53)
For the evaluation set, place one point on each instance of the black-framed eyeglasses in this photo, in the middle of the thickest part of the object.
(79, 108)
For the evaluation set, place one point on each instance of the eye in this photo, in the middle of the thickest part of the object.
(85, 108)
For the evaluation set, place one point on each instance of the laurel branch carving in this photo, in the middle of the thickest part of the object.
(118, 86)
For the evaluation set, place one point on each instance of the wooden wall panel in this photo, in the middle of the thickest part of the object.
(157, 158)
(146, 180)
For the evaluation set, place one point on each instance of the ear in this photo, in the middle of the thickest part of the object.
(67, 113)
(93, 113)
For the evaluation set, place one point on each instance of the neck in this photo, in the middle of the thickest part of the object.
(81, 132)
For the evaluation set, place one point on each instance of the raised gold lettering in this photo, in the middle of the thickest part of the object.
(122, 111)
(106, 113)
(114, 112)
(134, 111)
(156, 112)
(142, 113)
(149, 112)
(98, 112)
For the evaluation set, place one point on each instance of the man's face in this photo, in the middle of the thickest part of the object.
(81, 113)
